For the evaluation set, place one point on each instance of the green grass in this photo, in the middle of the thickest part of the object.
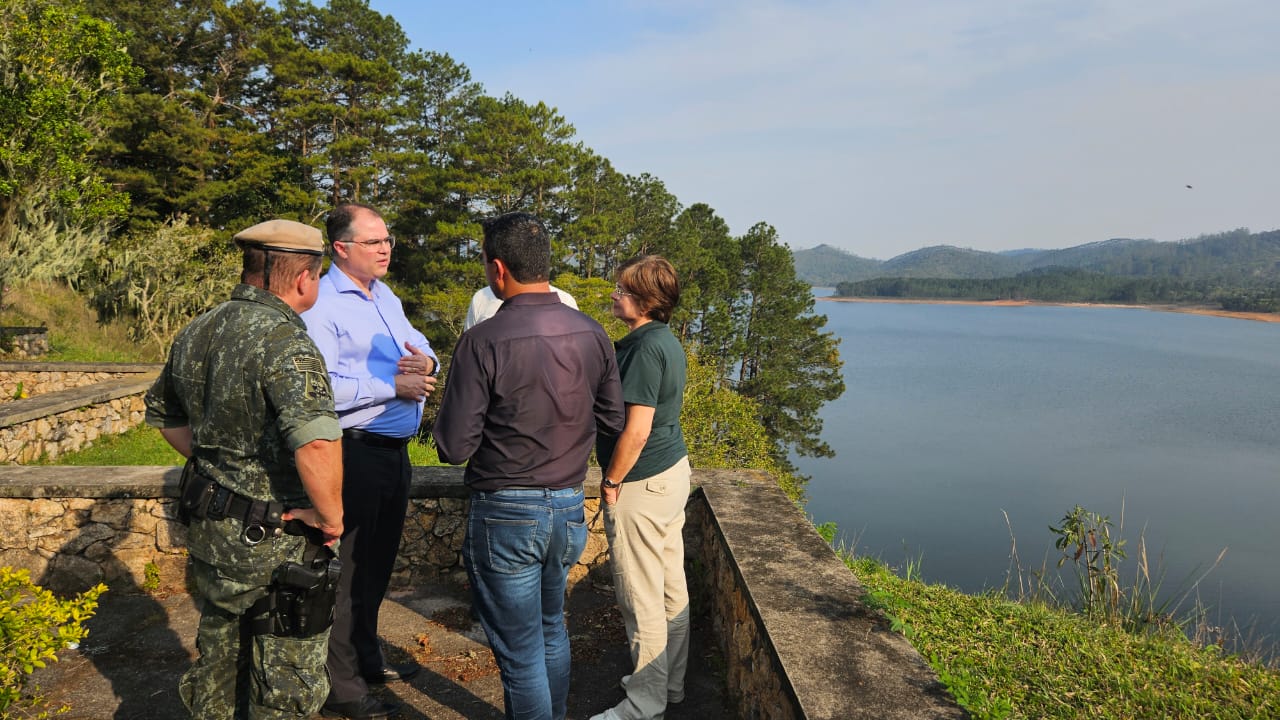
(144, 446)
(1005, 659)
(139, 446)
(75, 332)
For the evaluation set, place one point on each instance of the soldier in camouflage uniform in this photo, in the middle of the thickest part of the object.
(245, 395)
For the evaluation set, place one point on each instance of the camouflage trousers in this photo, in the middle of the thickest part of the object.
(242, 676)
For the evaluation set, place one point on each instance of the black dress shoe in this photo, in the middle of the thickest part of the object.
(393, 672)
(365, 707)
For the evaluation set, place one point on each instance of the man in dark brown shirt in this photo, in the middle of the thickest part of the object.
(526, 393)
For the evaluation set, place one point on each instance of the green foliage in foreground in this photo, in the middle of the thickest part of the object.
(1004, 659)
(34, 625)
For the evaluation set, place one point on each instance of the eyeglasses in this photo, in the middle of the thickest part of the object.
(617, 290)
(372, 244)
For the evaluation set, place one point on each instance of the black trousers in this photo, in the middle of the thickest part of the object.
(375, 497)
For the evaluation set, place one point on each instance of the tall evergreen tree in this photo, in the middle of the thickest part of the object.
(596, 216)
(702, 247)
(186, 141)
(789, 365)
(434, 219)
(516, 156)
(335, 85)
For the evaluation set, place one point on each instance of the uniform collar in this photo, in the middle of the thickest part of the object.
(249, 293)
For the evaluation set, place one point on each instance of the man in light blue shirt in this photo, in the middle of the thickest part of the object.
(381, 370)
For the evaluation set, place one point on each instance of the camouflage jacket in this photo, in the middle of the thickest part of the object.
(253, 388)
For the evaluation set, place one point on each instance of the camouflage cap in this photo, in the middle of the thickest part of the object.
(283, 235)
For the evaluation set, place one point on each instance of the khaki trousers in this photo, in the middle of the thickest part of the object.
(646, 549)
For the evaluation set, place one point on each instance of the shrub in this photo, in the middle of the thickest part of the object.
(34, 625)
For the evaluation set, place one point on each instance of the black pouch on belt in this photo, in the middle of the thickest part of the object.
(194, 493)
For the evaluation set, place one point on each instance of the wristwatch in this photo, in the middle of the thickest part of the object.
(610, 484)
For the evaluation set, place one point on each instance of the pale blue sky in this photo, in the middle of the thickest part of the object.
(884, 126)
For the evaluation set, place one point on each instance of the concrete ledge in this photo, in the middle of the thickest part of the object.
(88, 367)
(34, 408)
(89, 481)
(161, 482)
(834, 658)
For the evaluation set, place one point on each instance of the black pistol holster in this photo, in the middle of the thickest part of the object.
(302, 595)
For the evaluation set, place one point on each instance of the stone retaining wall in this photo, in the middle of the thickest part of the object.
(24, 342)
(67, 406)
(27, 384)
(72, 527)
(69, 431)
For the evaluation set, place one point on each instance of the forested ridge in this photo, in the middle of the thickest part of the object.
(1237, 270)
(141, 134)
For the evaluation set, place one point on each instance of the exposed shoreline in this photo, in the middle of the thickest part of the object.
(1189, 309)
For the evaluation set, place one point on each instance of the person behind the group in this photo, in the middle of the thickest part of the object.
(381, 370)
(484, 304)
(526, 393)
(644, 489)
(245, 398)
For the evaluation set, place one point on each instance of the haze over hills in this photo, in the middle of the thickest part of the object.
(1238, 257)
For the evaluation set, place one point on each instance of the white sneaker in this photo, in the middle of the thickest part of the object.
(672, 698)
(606, 715)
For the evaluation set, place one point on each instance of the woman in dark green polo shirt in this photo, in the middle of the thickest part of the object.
(646, 483)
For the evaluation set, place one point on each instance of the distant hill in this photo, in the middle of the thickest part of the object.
(1237, 257)
(824, 266)
(945, 261)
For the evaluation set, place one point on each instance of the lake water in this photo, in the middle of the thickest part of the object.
(953, 414)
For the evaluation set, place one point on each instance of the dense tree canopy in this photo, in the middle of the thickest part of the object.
(245, 110)
(60, 70)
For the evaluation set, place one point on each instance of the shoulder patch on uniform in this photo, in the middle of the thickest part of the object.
(308, 364)
(312, 368)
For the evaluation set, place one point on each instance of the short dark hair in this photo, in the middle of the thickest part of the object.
(522, 243)
(652, 281)
(285, 266)
(337, 226)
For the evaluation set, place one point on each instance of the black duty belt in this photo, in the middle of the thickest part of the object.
(200, 497)
(375, 439)
(226, 503)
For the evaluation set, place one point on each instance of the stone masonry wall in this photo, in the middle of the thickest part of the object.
(70, 543)
(68, 431)
(34, 383)
(752, 675)
(47, 409)
(23, 342)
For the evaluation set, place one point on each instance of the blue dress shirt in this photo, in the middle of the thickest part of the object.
(361, 340)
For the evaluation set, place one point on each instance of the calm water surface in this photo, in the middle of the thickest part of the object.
(954, 413)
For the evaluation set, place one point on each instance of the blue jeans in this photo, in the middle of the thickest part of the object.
(519, 547)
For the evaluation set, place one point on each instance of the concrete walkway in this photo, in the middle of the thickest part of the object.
(139, 645)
